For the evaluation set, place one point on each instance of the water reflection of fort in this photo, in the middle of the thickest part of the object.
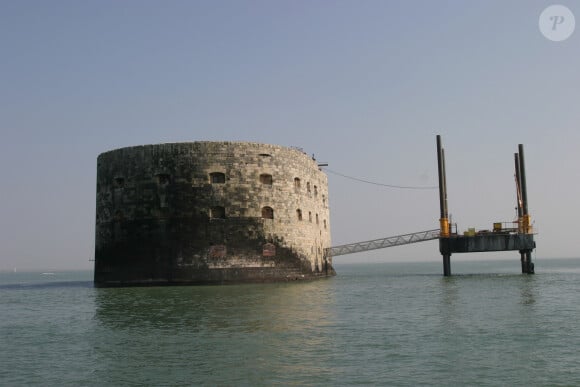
(236, 308)
(249, 327)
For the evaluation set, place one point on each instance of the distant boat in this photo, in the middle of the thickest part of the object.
(47, 273)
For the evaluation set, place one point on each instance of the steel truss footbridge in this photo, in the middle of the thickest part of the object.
(376, 244)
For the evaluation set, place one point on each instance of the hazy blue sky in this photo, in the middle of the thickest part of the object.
(364, 85)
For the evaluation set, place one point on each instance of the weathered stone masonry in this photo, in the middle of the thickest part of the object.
(210, 212)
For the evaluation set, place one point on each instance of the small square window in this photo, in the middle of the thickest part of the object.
(266, 179)
(217, 178)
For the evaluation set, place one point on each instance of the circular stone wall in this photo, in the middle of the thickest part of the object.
(210, 212)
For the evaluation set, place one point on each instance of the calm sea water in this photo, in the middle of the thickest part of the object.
(374, 324)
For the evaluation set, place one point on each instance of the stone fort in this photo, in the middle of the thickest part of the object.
(210, 213)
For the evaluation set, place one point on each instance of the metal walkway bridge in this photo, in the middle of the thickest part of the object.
(375, 244)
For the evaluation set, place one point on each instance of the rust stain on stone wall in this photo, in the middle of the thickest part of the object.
(269, 250)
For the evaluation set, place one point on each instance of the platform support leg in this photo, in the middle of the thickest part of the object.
(527, 264)
(447, 265)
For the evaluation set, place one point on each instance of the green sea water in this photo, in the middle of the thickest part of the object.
(399, 324)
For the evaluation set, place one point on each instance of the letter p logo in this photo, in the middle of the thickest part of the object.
(557, 20)
(557, 23)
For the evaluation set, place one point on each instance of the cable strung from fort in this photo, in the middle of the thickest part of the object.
(379, 184)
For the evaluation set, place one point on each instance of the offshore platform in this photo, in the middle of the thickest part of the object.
(517, 235)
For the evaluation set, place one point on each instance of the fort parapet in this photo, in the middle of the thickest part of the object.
(210, 213)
